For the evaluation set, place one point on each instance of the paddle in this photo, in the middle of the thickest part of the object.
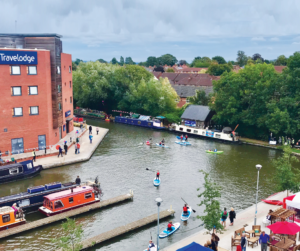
(149, 170)
(187, 204)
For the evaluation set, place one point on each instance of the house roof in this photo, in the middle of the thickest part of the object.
(196, 112)
(192, 69)
(185, 91)
(279, 68)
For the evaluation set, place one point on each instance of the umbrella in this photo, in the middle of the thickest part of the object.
(284, 227)
(194, 247)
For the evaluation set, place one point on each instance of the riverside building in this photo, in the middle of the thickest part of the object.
(36, 102)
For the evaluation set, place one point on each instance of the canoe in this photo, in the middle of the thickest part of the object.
(185, 217)
(166, 233)
(161, 145)
(183, 143)
(217, 152)
(156, 182)
(273, 202)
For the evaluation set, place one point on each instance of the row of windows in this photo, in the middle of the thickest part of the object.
(17, 90)
(18, 111)
(31, 70)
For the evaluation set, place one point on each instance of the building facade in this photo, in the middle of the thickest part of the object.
(37, 92)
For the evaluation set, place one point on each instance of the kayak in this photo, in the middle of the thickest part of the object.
(178, 137)
(217, 152)
(274, 202)
(156, 182)
(161, 145)
(166, 233)
(148, 143)
(185, 217)
(183, 143)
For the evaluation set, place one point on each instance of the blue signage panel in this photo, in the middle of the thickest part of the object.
(190, 123)
(67, 113)
(210, 134)
(18, 57)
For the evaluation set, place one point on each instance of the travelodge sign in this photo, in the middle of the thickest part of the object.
(18, 57)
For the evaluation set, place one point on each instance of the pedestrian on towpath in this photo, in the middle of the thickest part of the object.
(231, 216)
(66, 148)
(81, 127)
(224, 216)
(1, 160)
(91, 138)
(243, 242)
(263, 240)
(77, 140)
(34, 155)
(60, 152)
(76, 148)
(97, 130)
(90, 129)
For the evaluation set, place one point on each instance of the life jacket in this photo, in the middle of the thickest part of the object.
(157, 173)
(169, 225)
(181, 137)
(184, 209)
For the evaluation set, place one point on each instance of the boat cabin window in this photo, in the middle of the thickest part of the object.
(5, 218)
(180, 129)
(188, 130)
(149, 124)
(88, 195)
(14, 170)
(195, 131)
(58, 204)
(71, 200)
(51, 205)
(29, 166)
(4, 172)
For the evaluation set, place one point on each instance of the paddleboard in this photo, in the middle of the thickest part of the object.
(156, 182)
(166, 233)
(217, 152)
(185, 217)
(161, 145)
(183, 143)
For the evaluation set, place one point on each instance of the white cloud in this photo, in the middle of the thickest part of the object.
(258, 39)
(274, 39)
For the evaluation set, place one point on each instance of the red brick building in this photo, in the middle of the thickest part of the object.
(37, 91)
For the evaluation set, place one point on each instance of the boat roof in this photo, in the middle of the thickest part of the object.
(4, 210)
(67, 193)
(10, 166)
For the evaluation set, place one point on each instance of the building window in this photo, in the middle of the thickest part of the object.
(32, 70)
(34, 110)
(15, 70)
(59, 106)
(17, 146)
(70, 69)
(70, 84)
(59, 88)
(71, 100)
(58, 70)
(16, 91)
(33, 90)
(18, 111)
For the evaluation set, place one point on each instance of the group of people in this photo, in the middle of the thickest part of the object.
(66, 148)
(184, 137)
(225, 215)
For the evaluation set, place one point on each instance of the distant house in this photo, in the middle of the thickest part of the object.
(197, 116)
(192, 70)
(279, 68)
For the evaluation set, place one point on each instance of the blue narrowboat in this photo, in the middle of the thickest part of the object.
(34, 197)
(18, 171)
(143, 121)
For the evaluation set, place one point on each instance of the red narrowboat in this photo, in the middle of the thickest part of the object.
(60, 202)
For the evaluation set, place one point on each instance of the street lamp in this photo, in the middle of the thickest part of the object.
(158, 201)
(258, 167)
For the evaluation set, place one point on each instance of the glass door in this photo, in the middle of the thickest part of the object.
(17, 146)
(42, 142)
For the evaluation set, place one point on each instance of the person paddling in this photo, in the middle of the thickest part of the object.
(170, 225)
(186, 138)
(163, 142)
(181, 137)
(215, 150)
(185, 209)
(151, 245)
(157, 175)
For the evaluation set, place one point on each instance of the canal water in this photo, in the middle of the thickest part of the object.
(121, 161)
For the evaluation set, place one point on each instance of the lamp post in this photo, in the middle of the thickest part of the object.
(258, 167)
(158, 202)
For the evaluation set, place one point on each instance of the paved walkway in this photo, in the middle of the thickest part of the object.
(242, 218)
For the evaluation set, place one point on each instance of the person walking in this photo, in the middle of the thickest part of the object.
(77, 140)
(90, 129)
(224, 216)
(78, 181)
(243, 242)
(81, 127)
(97, 130)
(76, 148)
(66, 147)
(91, 138)
(231, 216)
(216, 240)
(60, 152)
(34, 155)
(263, 240)
(293, 142)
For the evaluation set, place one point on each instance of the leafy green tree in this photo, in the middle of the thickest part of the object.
(151, 61)
(218, 69)
(200, 98)
(232, 62)
(74, 66)
(241, 58)
(121, 60)
(182, 62)
(170, 70)
(209, 198)
(78, 61)
(256, 57)
(267, 61)
(129, 60)
(102, 61)
(281, 60)
(159, 68)
(286, 177)
(114, 61)
(294, 61)
(219, 59)
(167, 59)
(71, 237)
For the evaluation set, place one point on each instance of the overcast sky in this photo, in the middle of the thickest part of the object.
(94, 29)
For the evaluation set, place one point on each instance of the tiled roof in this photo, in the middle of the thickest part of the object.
(279, 68)
(185, 91)
(192, 69)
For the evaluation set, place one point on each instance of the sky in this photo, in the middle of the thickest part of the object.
(94, 29)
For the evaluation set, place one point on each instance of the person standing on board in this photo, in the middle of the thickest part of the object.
(78, 181)
(231, 216)
(59, 151)
(181, 137)
(185, 209)
(157, 175)
(34, 155)
(186, 138)
(151, 245)
(224, 217)
(163, 142)
(90, 129)
(263, 240)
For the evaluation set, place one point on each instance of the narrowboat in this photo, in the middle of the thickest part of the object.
(18, 171)
(60, 202)
(143, 121)
(8, 219)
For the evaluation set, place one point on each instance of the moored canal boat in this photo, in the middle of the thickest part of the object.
(9, 219)
(17, 171)
(143, 121)
(70, 199)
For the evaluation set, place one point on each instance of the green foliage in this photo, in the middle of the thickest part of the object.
(151, 61)
(241, 58)
(175, 117)
(170, 70)
(121, 60)
(102, 61)
(167, 59)
(74, 66)
(182, 62)
(200, 98)
(114, 61)
(201, 62)
(129, 60)
(209, 196)
(286, 177)
(72, 235)
(219, 59)
(294, 61)
(218, 69)
(281, 60)
(78, 61)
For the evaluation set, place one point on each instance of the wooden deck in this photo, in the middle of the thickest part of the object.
(125, 229)
(59, 217)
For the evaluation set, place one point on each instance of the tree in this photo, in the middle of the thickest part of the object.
(128, 60)
(102, 61)
(241, 58)
(209, 196)
(114, 61)
(170, 70)
(256, 57)
(121, 60)
(72, 235)
(182, 62)
(281, 60)
(286, 177)
(200, 98)
(74, 66)
(202, 62)
(294, 62)
(219, 59)
(167, 59)
(218, 69)
(159, 68)
(151, 61)
(78, 61)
